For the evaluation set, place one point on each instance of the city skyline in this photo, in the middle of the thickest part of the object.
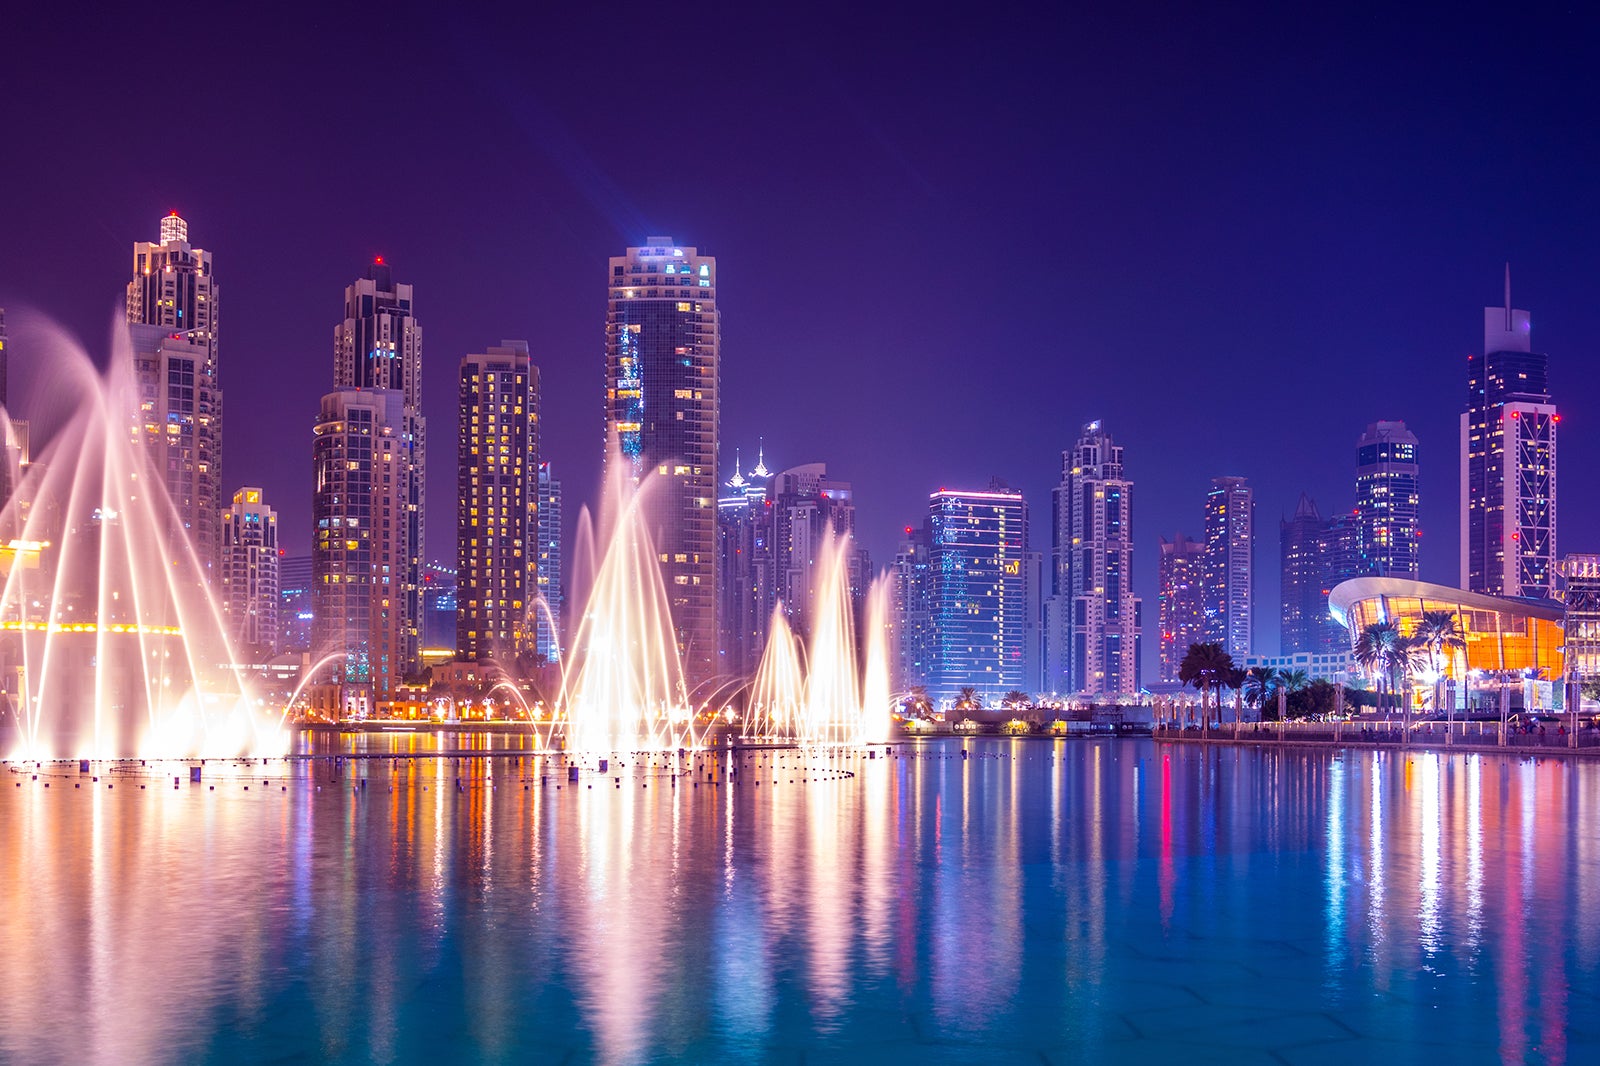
(1418, 274)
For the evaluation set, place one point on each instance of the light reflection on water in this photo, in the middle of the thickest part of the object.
(1109, 899)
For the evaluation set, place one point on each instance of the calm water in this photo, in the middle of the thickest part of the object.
(1083, 900)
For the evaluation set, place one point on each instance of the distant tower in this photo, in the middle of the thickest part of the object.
(1318, 553)
(1508, 462)
(911, 609)
(744, 560)
(1093, 617)
(1386, 500)
(378, 345)
(978, 540)
(1230, 537)
(662, 386)
(1182, 608)
(172, 310)
(547, 629)
(808, 508)
(497, 521)
(250, 577)
(358, 549)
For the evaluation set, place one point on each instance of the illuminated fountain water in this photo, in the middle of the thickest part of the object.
(111, 646)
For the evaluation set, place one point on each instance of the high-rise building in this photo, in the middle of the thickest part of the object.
(1317, 554)
(295, 596)
(497, 520)
(744, 561)
(172, 311)
(1508, 462)
(1093, 618)
(977, 543)
(358, 548)
(249, 572)
(1228, 585)
(548, 622)
(1182, 614)
(1386, 500)
(808, 509)
(378, 345)
(911, 610)
(1035, 591)
(663, 369)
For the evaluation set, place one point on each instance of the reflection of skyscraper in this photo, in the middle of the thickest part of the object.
(547, 628)
(497, 483)
(379, 346)
(662, 385)
(172, 308)
(977, 545)
(1386, 500)
(1230, 537)
(1093, 624)
(249, 575)
(1508, 462)
(1182, 608)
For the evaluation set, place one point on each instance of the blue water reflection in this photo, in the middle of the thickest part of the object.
(1077, 899)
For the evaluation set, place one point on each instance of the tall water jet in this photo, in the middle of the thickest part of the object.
(111, 645)
(777, 692)
(833, 692)
(876, 695)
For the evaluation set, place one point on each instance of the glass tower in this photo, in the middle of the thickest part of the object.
(1230, 537)
(1182, 610)
(1386, 500)
(977, 544)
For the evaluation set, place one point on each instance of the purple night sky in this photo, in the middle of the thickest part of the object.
(1237, 236)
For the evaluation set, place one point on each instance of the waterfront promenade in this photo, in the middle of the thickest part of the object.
(1478, 736)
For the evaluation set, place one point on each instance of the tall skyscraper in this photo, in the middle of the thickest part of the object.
(663, 367)
(744, 559)
(1508, 462)
(296, 594)
(172, 311)
(1093, 616)
(1228, 577)
(547, 627)
(808, 508)
(249, 572)
(1386, 500)
(497, 519)
(977, 543)
(1182, 605)
(1317, 554)
(911, 610)
(358, 549)
(379, 346)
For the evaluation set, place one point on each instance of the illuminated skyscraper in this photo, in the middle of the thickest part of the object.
(744, 559)
(1093, 617)
(172, 309)
(1182, 608)
(1229, 573)
(1317, 554)
(497, 520)
(661, 404)
(249, 573)
(547, 627)
(808, 509)
(977, 544)
(911, 610)
(1508, 462)
(1386, 500)
(379, 346)
(295, 598)
(358, 549)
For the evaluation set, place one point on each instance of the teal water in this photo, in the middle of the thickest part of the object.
(1057, 901)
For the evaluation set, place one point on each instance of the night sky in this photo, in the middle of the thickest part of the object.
(1237, 236)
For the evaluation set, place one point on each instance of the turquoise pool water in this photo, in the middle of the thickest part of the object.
(1057, 901)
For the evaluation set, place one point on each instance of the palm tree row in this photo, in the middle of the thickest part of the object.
(1391, 657)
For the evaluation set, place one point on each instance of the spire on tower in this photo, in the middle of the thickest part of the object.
(760, 469)
(737, 480)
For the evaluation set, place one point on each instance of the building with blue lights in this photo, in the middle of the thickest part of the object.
(1386, 500)
(977, 544)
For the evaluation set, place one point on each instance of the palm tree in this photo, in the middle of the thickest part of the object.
(1016, 699)
(1402, 658)
(1234, 679)
(1371, 653)
(1258, 682)
(1204, 666)
(968, 699)
(1438, 632)
(1292, 681)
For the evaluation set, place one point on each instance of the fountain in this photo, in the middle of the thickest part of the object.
(111, 645)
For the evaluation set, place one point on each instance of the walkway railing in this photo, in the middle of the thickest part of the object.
(1470, 734)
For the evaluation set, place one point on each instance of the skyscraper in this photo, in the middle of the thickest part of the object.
(497, 520)
(358, 549)
(808, 509)
(1386, 500)
(1093, 618)
(663, 367)
(296, 594)
(1182, 615)
(1228, 577)
(378, 345)
(249, 575)
(1317, 554)
(172, 311)
(911, 610)
(547, 628)
(744, 561)
(978, 540)
(1508, 462)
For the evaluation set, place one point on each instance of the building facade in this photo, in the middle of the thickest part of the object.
(745, 579)
(378, 345)
(1093, 618)
(249, 576)
(977, 541)
(358, 547)
(663, 367)
(1181, 610)
(548, 622)
(296, 611)
(1387, 500)
(1228, 576)
(1508, 462)
(497, 517)
(1581, 622)
(911, 610)
(1317, 554)
(809, 511)
(172, 311)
